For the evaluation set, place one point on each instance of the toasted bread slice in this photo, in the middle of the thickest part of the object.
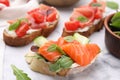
(21, 41)
(87, 33)
(40, 65)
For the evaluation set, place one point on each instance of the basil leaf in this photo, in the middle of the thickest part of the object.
(62, 63)
(115, 24)
(20, 75)
(55, 67)
(96, 4)
(69, 39)
(66, 62)
(60, 50)
(115, 17)
(14, 25)
(112, 5)
(82, 19)
(52, 48)
(55, 47)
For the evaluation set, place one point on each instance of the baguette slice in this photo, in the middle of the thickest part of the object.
(21, 41)
(42, 66)
(87, 33)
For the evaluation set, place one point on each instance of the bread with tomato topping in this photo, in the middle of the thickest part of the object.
(40, 21)
(85, 20)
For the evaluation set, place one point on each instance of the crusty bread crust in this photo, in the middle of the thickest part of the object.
(17, 41)
(91, 30)
(41, 66)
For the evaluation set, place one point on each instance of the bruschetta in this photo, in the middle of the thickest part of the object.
(39, 21)
(85, 19)
(62, 56)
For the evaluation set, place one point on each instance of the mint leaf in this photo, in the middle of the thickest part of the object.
(23, 19)
(82, 19)
(112, 5)
(96, 4)
(20, 75)
(14, 26)
(69, 38)
(62, 63)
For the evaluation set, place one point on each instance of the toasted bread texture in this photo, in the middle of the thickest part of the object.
(42, 66)
(21, 41)
(87, 33)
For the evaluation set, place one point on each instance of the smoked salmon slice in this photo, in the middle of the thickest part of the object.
(81, 54)
(50, 56)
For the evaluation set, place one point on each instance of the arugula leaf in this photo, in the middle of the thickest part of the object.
(19, 74)
(69, 38)
(82, 18)
(62, 63)
(115, 17)
(112, 5)
(55, 47)
(96, 4)
(115, 24)
(117, 33)
(14, 26)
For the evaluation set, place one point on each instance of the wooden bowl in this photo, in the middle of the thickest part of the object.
(112, 40)
(61, 3)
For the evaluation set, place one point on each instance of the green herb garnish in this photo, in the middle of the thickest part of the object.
(82, 19)
(55, 47)
(63, 63)
(69, 38)
(20, 75)
(14, 25)
(115, 21)
(96, 4)
(112, 5)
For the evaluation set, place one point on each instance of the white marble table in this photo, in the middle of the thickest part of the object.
(106, 67)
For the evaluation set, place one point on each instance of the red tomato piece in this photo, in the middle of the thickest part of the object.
(39, 18)
(72, 25)
(5, 2)
(22, 29)
(98, 14)
(51, 17)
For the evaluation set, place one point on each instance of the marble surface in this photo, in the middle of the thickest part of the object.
(106, 66)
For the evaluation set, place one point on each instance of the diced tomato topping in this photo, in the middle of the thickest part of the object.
(98, 14)
(22, 29)
(39, 18)
(5, 2)
(72, 25)
(51, 17)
